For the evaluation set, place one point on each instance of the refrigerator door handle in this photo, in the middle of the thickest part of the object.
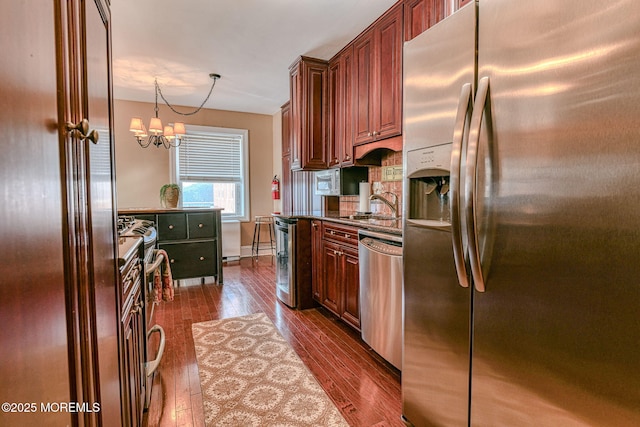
(465, 106)
(470, 182)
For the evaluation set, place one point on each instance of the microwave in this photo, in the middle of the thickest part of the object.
(339, 182)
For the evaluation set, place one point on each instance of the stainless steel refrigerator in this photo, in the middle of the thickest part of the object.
(522, 216)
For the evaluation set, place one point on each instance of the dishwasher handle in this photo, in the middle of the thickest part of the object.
(382, 247)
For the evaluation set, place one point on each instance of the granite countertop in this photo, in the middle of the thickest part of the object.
(380, 224)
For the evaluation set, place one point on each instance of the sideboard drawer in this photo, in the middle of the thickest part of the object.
(201, 225)
(172, 226)
(198, 259)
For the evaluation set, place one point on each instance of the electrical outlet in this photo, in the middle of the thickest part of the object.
(392, 173)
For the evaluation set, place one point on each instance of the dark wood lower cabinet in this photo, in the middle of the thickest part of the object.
(133, 341)
(132, 315)
(316, 262)
(350, 286)
(332, 287)
(337, 273)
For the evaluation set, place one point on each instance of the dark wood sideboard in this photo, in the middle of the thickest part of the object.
(192, 238)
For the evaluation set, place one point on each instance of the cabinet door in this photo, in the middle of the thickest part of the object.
(336, 112)
(347, 77)
(317, 264)
(351, 286)
(341, 95)
(364, 81)
(295, 127)
(420, 15)
(388, 96)
(415, 13)
(98, 170)
(34, 345)
(133, 341)
(308, 86)
(332, 289)
(378, 74)
(286, 131)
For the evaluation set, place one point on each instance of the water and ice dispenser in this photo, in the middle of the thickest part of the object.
(427, 170)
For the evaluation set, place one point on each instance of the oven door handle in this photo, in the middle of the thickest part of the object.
(151, 367)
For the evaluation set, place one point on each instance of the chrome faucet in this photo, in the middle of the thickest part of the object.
(393, 206)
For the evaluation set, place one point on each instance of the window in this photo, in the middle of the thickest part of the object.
(211, 166)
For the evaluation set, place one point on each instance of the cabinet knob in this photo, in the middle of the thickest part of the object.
(348, 236)
(171, 227)
(172, 260)
(375, 133)
(369, 134)
(201, 258)
(200, 225)
(332, 232)
(314, 225)
(347, 158)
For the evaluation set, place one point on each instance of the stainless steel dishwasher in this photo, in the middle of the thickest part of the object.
(380, 256)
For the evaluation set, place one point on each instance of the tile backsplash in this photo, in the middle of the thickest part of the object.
(350, 204)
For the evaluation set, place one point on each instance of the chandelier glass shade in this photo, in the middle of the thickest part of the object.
(167, 136)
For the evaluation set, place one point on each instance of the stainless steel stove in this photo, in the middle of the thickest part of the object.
(130, 227)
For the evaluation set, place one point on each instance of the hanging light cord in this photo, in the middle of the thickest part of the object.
(215, 78)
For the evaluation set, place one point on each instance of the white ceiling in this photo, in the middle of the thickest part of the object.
(250, 43)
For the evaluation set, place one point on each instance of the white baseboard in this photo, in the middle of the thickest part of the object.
(264, 249)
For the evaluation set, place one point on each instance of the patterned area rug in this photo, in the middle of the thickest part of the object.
(250, 376)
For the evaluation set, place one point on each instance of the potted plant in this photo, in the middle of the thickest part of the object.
(169, 195)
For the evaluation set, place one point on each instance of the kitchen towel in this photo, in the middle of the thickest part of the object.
(365, 192)
(163, 281)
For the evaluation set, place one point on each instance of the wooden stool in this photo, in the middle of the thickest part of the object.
(260, 220)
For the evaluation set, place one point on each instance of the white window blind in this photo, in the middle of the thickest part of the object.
(211, 165)
(210, 157)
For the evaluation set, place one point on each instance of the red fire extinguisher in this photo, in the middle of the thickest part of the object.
(275, 188)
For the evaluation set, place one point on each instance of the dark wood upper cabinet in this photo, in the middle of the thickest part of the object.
(378, 79)
(420, 15)
(363, 103)
(286, 129)
(336, 107)
(308, 104)
(346, 65)
(340, 141)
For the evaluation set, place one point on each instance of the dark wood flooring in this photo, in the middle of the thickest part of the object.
(363, 386)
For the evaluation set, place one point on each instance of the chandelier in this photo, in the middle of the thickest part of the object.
(167, 136)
